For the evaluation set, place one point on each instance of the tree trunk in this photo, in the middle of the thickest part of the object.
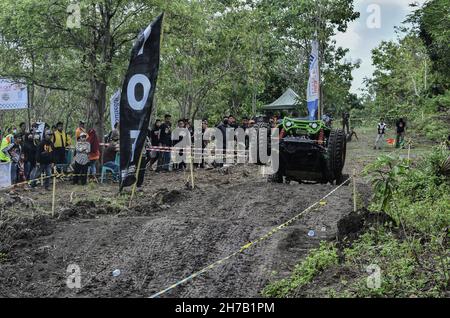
(99, 106)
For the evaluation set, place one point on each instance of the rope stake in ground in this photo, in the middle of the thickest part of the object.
(354, 190)
(321, 202)
(54, 194)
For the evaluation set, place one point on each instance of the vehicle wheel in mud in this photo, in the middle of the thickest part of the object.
(337, 148)
(260, 141)
(344, 180)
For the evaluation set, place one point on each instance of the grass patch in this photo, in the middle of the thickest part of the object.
(412, 258)
(316, 262)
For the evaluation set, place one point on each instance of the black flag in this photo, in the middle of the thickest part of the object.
(136, 100)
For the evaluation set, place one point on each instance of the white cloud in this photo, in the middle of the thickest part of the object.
(360, 39)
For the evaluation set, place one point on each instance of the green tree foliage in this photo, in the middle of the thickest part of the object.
(402, 77)
(433, 26)
(218, 56)
(412, 73)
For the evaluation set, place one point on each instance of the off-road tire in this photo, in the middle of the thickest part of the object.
(337, 148)
(258, 126)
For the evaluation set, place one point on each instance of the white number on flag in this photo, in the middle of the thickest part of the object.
(146, 85)
(134, 134)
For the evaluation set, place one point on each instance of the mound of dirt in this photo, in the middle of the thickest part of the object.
(351, 226)
(163, 199)
(13, 200)
(86, 209)
(18, 231)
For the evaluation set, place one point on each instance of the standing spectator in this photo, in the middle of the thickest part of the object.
(83, 149)
(244, 123)
(381, 130)
(15, 151)
(346, 121)
(180, 165)
(44, 160)
(29, 151)
(23, 129)
(223, 126)
(81, 129)
(165, 140)
(204, 142)
(154, 140)
(232, 122)
(114, 134)
(60, 142)
(34, 128)
(5, 146)
(401, 127)
(21, 169)
(109, 157)
(190, 128)
(94, 154)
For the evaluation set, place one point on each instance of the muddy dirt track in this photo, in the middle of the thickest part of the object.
(170, 233)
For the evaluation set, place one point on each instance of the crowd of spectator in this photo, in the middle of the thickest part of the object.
(37, 151)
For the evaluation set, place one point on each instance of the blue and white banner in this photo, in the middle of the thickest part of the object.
(5, 175)
(13, 95)
(313, 91)
(115, 108)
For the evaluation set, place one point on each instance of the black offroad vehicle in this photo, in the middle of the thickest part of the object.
(310, 151)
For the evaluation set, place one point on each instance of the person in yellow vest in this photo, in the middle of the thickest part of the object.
(5, 146)
(81, 129)
(60, 142)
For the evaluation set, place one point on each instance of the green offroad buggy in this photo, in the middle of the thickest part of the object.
(310, 151)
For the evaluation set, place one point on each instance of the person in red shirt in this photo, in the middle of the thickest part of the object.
(94, 154)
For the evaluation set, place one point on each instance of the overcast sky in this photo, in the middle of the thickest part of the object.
(368, 31)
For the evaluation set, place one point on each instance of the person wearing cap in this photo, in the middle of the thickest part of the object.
(83, 148)
(81, 128)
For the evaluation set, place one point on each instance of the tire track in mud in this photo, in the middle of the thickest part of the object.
(162, 246)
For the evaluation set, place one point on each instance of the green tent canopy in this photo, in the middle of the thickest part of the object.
(287, 101)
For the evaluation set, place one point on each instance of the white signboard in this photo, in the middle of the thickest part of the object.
(13, 95)
(5, 175)
(40, 129)
(115, 108)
